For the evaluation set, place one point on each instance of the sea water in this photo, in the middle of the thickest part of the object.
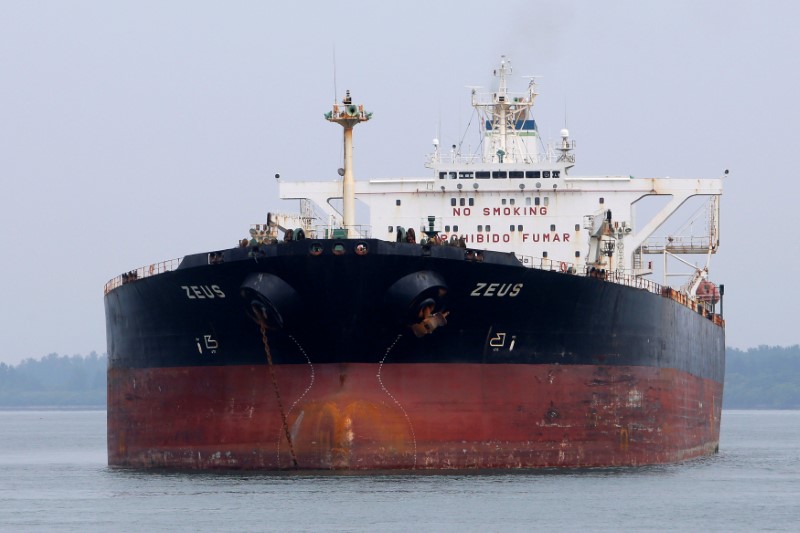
(54, 477)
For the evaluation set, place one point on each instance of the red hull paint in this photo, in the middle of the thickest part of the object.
(425, 416)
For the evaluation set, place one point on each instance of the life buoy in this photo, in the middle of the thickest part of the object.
(563, 266)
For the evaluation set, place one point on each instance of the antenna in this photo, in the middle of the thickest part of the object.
(335, 92)
(439, 126)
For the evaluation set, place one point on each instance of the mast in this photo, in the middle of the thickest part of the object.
(509, 130)
(501, 108)
(348, 116)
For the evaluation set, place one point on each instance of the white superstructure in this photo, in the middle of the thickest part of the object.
(518, 196)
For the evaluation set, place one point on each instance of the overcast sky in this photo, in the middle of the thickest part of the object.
(135, 132)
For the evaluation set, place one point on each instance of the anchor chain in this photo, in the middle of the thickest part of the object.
(263, 328)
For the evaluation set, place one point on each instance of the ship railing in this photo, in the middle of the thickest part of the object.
(447, 159)
(543, 263)
(629, 280)
(320, 231)
(438, 158)
(703, 308)
(678, 245)
(342, 232)
(141, 272)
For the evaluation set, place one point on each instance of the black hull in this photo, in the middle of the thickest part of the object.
(342, 310)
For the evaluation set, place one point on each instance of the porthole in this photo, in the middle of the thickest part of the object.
(338, 248)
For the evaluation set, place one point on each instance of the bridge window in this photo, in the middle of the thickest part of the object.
(556, 174)
(499, 174)
(546, 174)
(442, 175)
(482, 175)
(516, 174)
(465, 175)
(533, 174)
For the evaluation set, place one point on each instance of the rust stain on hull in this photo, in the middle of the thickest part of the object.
(430, 416)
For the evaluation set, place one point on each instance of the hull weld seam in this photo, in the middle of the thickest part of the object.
(395, 400)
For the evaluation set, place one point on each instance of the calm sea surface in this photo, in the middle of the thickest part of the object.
(53, 477)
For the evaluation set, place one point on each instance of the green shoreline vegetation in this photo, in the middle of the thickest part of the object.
(55, 381)
(766, 377)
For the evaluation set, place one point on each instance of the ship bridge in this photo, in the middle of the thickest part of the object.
(518, 195)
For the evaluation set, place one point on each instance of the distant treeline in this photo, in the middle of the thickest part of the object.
(766, 377)
(55, 380)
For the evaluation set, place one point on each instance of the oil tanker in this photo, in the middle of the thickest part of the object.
(498, 313)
